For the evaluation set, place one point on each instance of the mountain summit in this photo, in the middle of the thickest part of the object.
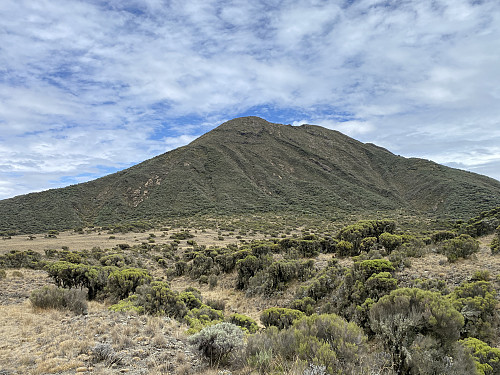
(251, 165)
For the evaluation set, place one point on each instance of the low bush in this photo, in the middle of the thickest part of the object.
(280, 317)
(318, 344)
(52, 297)
(22, 259)
(414, 323)
(246, 323)
(477, 303)
(486, 358)
(462, 246)
(122, 283)
(217, 342)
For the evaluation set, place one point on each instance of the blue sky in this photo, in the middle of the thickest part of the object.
(91, 87)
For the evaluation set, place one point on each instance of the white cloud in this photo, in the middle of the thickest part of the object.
(113, 83)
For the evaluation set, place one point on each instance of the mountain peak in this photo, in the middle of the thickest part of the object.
(249, 165)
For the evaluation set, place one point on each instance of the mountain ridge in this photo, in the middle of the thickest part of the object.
(251, 165)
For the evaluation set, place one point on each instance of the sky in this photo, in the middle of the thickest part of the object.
(91, 87)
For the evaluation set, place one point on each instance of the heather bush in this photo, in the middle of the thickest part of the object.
(22, 259)
(122, 283)
(355, 233)
(390, 242)
(3, 274)
(441, 236)
(462, 246)
(409, 316)
(486, 358)
(306, 305)
(477, 303)
(246, 323)
(318, 344)
(217, 342)
(346, 248)
(280, 317)
(52, 297)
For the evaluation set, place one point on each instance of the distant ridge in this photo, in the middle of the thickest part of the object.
(251, 165)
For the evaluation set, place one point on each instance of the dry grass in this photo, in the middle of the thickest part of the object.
(435, 266)
(87, 241)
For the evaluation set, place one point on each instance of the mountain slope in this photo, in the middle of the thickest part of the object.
(249, 165)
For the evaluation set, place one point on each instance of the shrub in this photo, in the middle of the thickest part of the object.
(390, 241)
(368, 243)
(306, 305)
(190, 300)
(52, 297)
(366, 228)
(486, 358)
(346, 248)
(318, 344)
(117, 260)
(123, 282)
(246, 323)
(217, 342)
(280, 317)
(247, 268)
(460, 247)
(157, 299)
(22, 259)
(3, 274)
(442, 236)
(70, 275)
(407, 316)
(495, 245)
(476, 302)
(212, 281)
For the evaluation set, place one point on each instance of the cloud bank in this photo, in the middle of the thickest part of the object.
(91, 87)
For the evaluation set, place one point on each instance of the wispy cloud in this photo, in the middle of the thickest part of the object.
(88, 87)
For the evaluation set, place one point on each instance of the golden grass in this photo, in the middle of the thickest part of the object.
(87, 241)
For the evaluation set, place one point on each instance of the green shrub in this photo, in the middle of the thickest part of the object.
(280, 317)
(217, 342)
(117, 260)
(364, 269)
(202, 265)
(486, 358)
(70, 275)
(390, 241)
(442, 236)
(22, 259)
(246, 323)
(314, 345)
(157, 298)
(355, 233)
(407, 316)
(462, 246)
(306, 305)
(52, 297)
(122, 283)
(247, 268)
(191, 300)
(495, 245)
(367, 243)
(3, 274)
(477, 303)
(346, 248)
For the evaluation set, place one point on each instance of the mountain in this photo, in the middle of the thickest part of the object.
(250, 165)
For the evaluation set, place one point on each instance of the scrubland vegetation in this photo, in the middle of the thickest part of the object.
(281, 296)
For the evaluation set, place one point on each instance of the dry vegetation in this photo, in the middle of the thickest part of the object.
(103, 342)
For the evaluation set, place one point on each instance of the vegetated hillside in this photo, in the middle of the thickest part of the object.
(250, 165)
